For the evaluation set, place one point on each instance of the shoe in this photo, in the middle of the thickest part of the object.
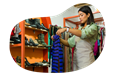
(26, 40)
(44, 27)
(39, 40)
(15, 40)
(32, 43)
(18, 59)
(27, 63)
(32, 23)
(37, 22)
(42, 40)
(35, 41)
(33, 64)
(27, 22)
(44, 61)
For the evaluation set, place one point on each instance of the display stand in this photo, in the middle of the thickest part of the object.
(32, 53)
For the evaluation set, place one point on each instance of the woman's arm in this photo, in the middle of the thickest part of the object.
(75, 32)
(64, 42)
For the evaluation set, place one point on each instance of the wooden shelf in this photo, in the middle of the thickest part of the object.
(28, 27)
(15, 45)
(35, 47)
(39, 66)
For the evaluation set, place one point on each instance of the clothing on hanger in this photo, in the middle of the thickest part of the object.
(72, 58)
(95, 48)
(12, 32)
(17, 30)
(57, 55)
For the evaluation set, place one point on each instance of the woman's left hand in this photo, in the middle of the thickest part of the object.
(60, 31)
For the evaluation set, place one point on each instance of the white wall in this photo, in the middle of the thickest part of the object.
(72, 11)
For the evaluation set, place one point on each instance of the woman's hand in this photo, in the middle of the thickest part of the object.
(60, 31)
(52, 37)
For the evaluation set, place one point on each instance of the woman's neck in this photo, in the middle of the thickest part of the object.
(84, 25)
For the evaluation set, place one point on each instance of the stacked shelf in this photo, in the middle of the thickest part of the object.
(32, 53)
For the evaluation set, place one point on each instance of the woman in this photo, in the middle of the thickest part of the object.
(83, 39)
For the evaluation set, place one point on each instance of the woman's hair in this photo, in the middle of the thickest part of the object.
(86, 10)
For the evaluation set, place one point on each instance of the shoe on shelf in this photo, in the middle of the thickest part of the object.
(44, 61)
(26, 40)
(37, 22)
(42, 40)
(27, 63)
(32, 23)
(27, 22)
(15, 40)
(18, 59)
(32, 43)
(44, 27)
(33, 64)
(39, 40)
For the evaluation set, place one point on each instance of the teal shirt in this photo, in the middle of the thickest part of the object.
(89, 32)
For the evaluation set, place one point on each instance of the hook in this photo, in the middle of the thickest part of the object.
(34, 31)
(33, 50)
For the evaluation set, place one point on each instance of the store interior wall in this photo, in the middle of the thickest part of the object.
(71, 11)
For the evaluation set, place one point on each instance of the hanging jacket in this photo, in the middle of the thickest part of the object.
(12, 32)
(57, 55)
(95, 48)
(17, 29)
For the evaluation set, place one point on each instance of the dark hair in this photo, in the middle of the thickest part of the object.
(86, 9)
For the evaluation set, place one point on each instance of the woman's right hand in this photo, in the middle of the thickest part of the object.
(52, 37)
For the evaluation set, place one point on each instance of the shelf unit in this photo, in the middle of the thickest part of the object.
(32, 53)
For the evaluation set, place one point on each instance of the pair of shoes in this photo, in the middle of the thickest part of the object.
(26, 40)
(44, 63)
(30, 42)
(33, 64)
(41, 41)
(32, 22)
(33, 42)
(15, 40)
(35, 23)
(27, 22)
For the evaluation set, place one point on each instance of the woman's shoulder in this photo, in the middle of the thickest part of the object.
(93, 25)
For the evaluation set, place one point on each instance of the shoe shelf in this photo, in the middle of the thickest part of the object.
(39, 66)
(36, 47)
(29, 27)
(27, 46)
(15, 45)
(21, 46)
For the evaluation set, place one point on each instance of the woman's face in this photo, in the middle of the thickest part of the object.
(83, 17)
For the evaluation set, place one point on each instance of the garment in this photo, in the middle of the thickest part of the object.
(57, 55)
(98, 43)
(72, 58)
(17, 30)
(84, 45)
(12, 33)
(62, 35)
(101, 37)
(70, 63)
(96, 48)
